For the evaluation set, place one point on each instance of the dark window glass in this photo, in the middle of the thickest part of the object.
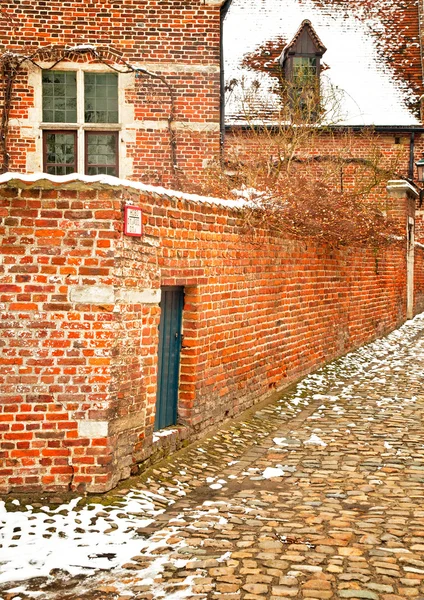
(60, 152)
(101, 97)
(101, 151)
(304, 69)
(303, 87)
(59, 97)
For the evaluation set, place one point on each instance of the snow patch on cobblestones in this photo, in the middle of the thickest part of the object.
(315, 440)
(272, 472)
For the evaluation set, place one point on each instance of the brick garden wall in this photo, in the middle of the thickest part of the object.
(419, 256)
(80, 314)
(419, 280)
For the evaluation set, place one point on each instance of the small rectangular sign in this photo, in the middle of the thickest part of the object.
(133, 221)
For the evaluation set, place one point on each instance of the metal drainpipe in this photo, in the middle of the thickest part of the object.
(411, 155)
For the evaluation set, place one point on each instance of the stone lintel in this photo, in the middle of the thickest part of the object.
(144, 296)
(173, 67)
(157, 125)
(106, 294)
(218, 3)
(195, 126)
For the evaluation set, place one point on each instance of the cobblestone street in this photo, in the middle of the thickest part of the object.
(319, 495)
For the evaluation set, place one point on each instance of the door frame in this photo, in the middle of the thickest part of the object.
(169, 358)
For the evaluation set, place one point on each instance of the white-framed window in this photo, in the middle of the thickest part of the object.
(80, 121)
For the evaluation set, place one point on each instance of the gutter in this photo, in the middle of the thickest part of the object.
(383, 128)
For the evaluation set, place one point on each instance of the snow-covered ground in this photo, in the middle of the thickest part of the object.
(71, 538)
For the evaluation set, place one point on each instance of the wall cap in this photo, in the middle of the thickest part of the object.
(401, 187)
(76, 181)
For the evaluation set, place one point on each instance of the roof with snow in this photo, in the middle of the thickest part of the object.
(371, 70)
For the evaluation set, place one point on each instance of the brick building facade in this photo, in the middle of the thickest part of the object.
(162, 68)
(161, 61)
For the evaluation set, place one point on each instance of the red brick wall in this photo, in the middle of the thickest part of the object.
(255, 318)
(419, 225)
(419, 259)
(56, 364)
(393, 146)
(155, 31)
(419, 280)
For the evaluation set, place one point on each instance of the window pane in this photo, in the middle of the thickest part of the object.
(59, 97)
(101, 97)
(48, 116)
(48, 103)
(102, 171)
(60, 153)
(101, 153)
(59, 170)
(304, 69)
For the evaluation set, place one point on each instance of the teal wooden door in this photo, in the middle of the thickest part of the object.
(171, 304)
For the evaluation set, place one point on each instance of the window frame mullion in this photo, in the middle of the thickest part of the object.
(80, 121)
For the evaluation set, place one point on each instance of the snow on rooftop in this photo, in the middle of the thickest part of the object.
(356, 36)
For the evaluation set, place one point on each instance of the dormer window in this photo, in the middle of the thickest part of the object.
(301, 66)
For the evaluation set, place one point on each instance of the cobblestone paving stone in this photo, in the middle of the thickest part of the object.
(319, 495)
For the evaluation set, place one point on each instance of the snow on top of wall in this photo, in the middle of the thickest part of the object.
(373, 53)
(107, 180)
(81, 48)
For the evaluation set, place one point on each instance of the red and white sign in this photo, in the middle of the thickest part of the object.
(133, 221)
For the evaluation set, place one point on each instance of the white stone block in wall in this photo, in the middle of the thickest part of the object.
(92, 294)
(93, 429)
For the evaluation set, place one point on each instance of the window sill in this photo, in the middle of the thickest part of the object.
(61, 126)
